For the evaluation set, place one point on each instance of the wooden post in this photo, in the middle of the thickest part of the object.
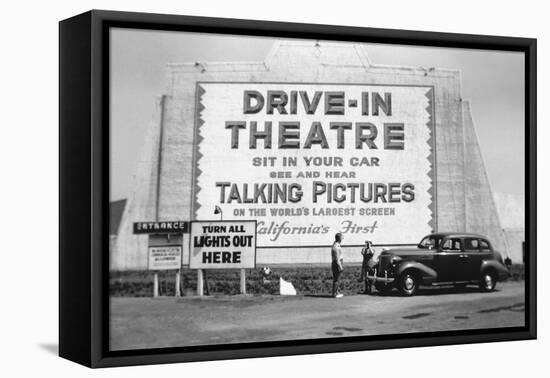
(178, 283)
(156, 285)
(200, 283)
(243, 281)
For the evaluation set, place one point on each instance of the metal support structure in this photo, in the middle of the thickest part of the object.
(157, 202)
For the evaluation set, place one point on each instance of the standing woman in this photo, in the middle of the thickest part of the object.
(368, 253)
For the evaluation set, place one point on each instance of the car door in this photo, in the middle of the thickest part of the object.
(471, 263)
(448, 259)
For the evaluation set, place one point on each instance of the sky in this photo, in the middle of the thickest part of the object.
(492, 81)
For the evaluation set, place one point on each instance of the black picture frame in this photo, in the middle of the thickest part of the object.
(84, 187)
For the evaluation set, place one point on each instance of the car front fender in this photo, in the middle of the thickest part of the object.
(427, 272)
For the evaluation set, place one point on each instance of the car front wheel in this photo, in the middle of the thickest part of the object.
(408, 284)
(488, 281)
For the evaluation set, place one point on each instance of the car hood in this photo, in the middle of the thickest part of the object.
(406, 253)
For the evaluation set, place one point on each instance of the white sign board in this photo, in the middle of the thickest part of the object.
(223, 245)
(309, 160)
(166, 257)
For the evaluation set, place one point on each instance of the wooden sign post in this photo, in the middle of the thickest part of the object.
(177, 289)
(243, 281)
(156, 285)
(200, 283)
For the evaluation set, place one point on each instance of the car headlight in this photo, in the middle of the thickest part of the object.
(394, 260)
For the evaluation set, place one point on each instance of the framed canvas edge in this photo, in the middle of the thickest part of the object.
(99, 272)
(75, 271)
(317, 346)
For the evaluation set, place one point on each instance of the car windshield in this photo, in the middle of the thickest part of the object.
(430, 242)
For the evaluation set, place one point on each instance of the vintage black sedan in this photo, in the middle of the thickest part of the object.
(439, 259)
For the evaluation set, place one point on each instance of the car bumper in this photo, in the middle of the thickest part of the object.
(503, 275)
(374, 278)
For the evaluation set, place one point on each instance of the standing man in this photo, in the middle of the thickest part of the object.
(367, 254)
(368, 265)
(337, 265)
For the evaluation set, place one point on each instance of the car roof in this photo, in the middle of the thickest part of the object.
(458, 235)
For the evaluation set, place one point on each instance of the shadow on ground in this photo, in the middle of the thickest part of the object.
(317, 296)
(434, 291)
(51, 348)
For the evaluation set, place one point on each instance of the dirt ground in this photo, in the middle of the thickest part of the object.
(168, 321)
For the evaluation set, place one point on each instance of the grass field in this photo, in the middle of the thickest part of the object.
(306, 280)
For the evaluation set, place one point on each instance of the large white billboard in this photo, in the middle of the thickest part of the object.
(309, 160)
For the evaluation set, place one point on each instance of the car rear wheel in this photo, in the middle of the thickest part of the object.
(488, 281)
(408, 283)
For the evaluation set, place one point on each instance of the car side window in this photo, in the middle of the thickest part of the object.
(452, 245)
(484, 245)
(471, 244)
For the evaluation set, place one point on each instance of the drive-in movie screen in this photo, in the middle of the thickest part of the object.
(265, 189)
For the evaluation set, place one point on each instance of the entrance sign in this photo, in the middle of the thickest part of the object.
(222, 245)
(161, 227)
(310, 160)
(167, 257)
